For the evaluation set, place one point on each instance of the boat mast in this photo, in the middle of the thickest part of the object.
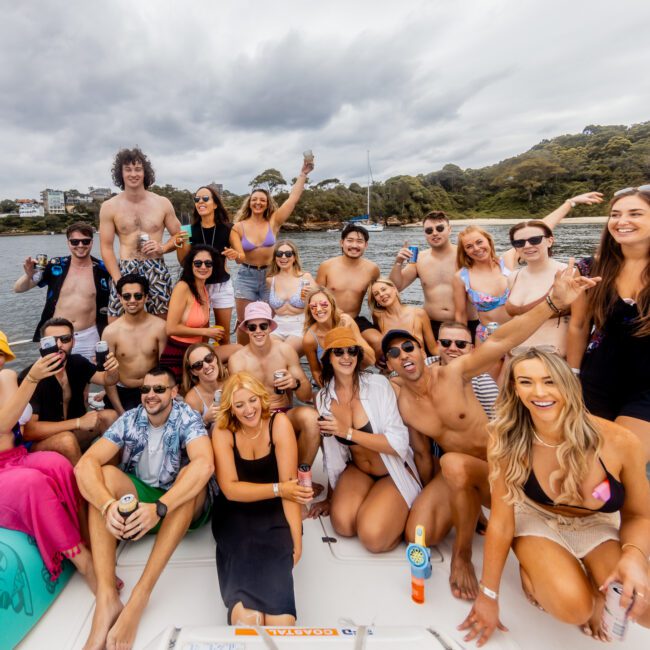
(368, 199)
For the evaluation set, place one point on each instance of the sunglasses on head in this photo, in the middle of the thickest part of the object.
(439, 228)
(205, 199)
(315, 305)
(135, 296)
(80, 242)
(284, 254)
(64, 338)
(352, 351)
(159, 389)
(460, 343)
(406, 346)
(252, 327)
(641, 188)
(197, 365)
(199, 263)
(533, 241)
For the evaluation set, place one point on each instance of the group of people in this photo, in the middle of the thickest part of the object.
(520, 386)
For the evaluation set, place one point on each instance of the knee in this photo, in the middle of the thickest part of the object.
(67, 445)
(343, 524)
(573, 604)
(454, 469)
(374, 538)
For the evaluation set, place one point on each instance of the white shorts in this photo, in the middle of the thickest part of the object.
(84, 343)
(289, 326)
(222, 295)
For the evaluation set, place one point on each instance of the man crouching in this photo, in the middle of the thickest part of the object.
(166, 459)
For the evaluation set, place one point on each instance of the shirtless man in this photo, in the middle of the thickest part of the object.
(77, 289)
(262, 357)
(437, 402)
(132, 213)
(136, 338)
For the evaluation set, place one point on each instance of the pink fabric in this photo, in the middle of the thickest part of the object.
(39, 496)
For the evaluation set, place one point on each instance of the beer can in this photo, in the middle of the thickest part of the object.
(143, 238)
(127, 506)
(308, 155)
(217, 396)
(414, 254)
(304, 475)
(492, 328)
(279, 374)
(41, 260)
(614, 619)
(101, 352)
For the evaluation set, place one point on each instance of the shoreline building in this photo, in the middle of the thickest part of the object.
(53, 201)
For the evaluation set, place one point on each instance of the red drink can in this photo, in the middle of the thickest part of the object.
(304, 475)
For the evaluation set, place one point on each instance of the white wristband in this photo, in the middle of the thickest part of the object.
(494, 595)
(348, 437)
(276, 490)
(576, 371)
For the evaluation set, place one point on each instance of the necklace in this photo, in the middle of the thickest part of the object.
(257, 435)
(214, 232)
(542, 442)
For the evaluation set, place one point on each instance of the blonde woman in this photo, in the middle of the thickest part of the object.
(256, 523)
(288, 284)
(569, 495)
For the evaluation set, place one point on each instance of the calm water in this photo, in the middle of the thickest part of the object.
(19, 313)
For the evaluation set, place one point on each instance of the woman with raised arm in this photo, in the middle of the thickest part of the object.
(321, 316)
(258, 222)
(288, 284)
(569, 494)
(256, 522)
(369, 462)
(609, 331)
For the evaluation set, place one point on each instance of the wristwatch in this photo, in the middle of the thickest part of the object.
(161, 509)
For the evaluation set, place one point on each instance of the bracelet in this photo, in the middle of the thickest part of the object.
(494, 595)
(576, 371)
(552, 305)
(78, 423)
(106, 506)
(177, 244)
(348, 437)
(638, 548)
(276, 489)
(31, 379)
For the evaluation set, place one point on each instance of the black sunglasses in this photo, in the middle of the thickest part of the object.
(199, 263)
(252, 327)
(284, 254)
(439, 228)
(64, 338)
(406, 346)
(533, 241)
(208, 358)
(136, 296)
(352, 351)
(205, 199)
(460, 344)
(80, 242)
(159, 389)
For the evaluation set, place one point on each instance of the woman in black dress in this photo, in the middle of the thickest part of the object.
(256, 522)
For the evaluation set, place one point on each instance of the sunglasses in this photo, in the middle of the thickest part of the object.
(460, 344)
(159, 389)
(286, 254)
(533, 241)
(352, 351)
(252, 327)
(522, 349)
(406, 346)
(315, 305)
(205, 199)
(135, 296)
(641, 188)
(197, 365)
(64, 338)
(430, 229)
(80, 242)
(199, 263)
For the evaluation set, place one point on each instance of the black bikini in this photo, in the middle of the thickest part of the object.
(349, 443)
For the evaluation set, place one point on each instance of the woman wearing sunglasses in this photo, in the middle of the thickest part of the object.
(211, 226)
(321, 316)
(569, 495)
(257, 222)
(203, 376)
(287, 284)
(366, 448)
(609, 331)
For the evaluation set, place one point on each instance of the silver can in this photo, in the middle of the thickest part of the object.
(491, 328)
(143, 238)
(614, 619)
(217, 396)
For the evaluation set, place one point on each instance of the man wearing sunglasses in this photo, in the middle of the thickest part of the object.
(136, 338)
(165, 458)
(77, 289)
(59, 421)
(437, 403)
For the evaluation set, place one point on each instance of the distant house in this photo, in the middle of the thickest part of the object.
(99, 193)
(53, 201)
(74, 197)
(31, 210)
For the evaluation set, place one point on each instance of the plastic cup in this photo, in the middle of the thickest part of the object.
(187, 229)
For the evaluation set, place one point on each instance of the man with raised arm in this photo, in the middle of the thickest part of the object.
(138, 218)
(437, 403)
(137, 340)
(166, 460)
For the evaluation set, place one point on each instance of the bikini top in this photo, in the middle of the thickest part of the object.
(319, 347)
(484, 301)
(249, 246)
(533, 490)
(294, 300)
(367, 427)
(196, 317)
(518, 310)
(206, 408)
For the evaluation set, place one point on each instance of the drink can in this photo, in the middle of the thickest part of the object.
(41, 260)
(279, 374)
(101, 352)
(414, 254)
(127, 506)
(217, 396)
(308, 155)
(304, 475)
(492, 328)
(614, 620)
(143, 238)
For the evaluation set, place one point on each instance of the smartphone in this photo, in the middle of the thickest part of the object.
(49, 346)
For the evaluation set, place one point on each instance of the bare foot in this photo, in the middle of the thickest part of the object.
(122, 634)
(462, 578)
(593, 627)
(317, 488)
(319, 509)
(107, 609)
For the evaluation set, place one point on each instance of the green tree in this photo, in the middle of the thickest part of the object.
(272, 178)
(7, 206)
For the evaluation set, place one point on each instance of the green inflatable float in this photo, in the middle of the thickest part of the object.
(26, 590)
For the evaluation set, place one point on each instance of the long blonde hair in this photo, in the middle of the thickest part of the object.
(372, 303)
(297, 264)
(462, 258)
(512, 433)
(336, 312)
(226, 419)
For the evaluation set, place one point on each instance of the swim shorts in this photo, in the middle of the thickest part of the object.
(363, 323)
(222, 294)
(84, 342)
(160, 286)
(291, 325)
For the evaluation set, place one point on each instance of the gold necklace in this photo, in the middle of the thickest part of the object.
(542, 442)
(257, 435)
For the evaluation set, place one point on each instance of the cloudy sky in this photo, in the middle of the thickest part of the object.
(223, 90)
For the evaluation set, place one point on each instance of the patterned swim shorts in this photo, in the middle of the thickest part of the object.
(160, 286)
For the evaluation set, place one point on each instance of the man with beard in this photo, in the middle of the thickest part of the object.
(59, 421)
(77, 289)
(166, 460)
(137, 340)
(437, 403)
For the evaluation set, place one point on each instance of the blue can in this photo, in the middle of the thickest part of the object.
(414, 254)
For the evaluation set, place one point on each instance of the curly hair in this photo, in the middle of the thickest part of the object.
(226, 419)
(131, 157)
(220, 213)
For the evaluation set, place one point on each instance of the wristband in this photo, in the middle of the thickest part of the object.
(177, 244)
(78, 423)
(571, 202)
(552, 305)
(638, 548)
(348, 437)
(31, 379)
(106, 506)
(576, 371)
(276, 489)
(494, 595)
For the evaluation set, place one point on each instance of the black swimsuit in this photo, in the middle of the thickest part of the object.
(367, 428)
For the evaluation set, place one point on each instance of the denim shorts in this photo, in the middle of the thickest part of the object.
(251, 283)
